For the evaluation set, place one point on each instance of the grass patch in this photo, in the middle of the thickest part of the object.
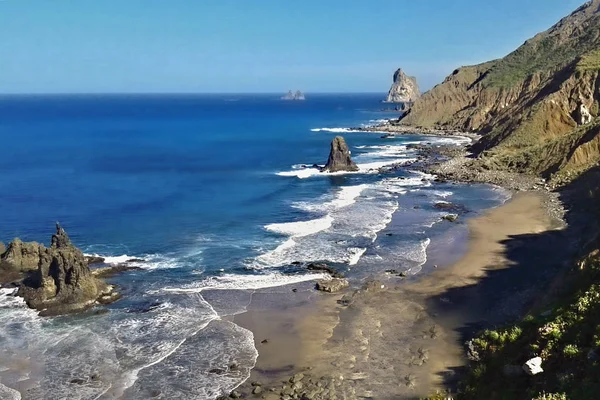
(589, 62)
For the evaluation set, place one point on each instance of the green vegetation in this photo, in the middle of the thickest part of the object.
(589, 62)
(544, 53)
(567, 337)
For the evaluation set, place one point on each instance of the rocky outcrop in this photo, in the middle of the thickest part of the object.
(339, 157)
(536, 107)
(533, 366)
(404, 89)
(24, 256)
(583, 115)
(58, 279)
(294, 96)
(333, 285)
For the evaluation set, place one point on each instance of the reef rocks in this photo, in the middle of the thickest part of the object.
(404, 89)
(58, 279)
(324, 268)
(339, 157)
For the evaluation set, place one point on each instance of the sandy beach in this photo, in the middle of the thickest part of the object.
(396, 338)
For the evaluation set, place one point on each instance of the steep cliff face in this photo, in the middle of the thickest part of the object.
(404, 89)
(537, 107)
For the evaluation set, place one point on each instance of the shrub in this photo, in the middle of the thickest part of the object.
(571, 350)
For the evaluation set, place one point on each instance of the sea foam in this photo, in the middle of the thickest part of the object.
(301, 228)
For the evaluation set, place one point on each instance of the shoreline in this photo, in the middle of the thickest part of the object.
(347, 346)
(432, 323)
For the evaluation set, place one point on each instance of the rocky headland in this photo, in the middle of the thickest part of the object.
(53, 280)
(404, 88)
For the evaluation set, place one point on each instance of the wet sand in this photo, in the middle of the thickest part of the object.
(402, 339)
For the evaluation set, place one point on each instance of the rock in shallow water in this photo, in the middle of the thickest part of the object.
(339, 157)
(59, 279)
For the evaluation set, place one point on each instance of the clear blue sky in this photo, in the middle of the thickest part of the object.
(254, 45)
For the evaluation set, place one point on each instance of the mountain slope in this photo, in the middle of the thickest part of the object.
(537, 107)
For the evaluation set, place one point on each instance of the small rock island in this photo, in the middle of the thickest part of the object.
(339, 157)
(53, 280)
(294, 96)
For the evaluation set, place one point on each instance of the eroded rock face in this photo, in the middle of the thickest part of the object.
(584, 116)
(404, 89)
(339, 157)
(59, 279)
(24, 256)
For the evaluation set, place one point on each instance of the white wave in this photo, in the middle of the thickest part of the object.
(247, 282)
(383, 151)
(442, 193)
(356, 254)
(344, 197)
(347, 195)
(147, 261)
(334, 130)
(364, 168)
(7, 393)
(301, 228)
(457, 140)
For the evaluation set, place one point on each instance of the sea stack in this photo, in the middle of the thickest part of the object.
(58, 279)
(294, 96)
(404, 89)
(339, 157)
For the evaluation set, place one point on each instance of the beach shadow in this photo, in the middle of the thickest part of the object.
(538, 264)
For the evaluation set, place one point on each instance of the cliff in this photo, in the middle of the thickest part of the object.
(537, 107)
(404, 88)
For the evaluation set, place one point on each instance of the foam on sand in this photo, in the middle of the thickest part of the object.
(246, 282)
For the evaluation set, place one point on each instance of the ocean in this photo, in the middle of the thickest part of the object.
(212, 193)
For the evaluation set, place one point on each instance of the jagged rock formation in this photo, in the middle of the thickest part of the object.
(339, 157)
(294, 96)
(58, 279)
(537, 107)
(404, 89)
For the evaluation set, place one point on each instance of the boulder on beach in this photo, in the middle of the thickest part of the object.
(339, 157)
(58, 279)
(333, 285)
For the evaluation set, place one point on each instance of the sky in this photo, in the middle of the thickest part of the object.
(224, 46)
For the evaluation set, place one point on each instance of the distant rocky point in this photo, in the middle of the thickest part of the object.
(294, 96)
(404, 89)
(339, 157)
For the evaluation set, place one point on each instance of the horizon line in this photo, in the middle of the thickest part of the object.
(169, 93)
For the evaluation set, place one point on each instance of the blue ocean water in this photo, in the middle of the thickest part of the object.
(211, 191)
